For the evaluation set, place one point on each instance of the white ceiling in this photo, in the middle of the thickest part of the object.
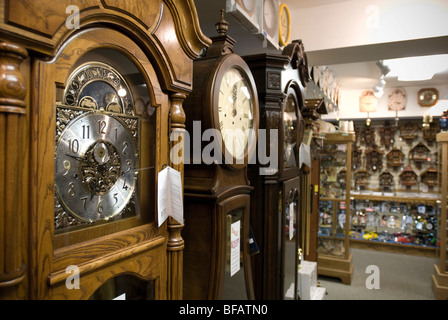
(353, 66)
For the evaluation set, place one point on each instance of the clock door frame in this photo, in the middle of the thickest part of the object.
(290, 189)
(123, 243)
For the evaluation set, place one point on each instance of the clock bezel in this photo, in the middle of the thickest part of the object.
(424, 102)
(284, 9)
(221, 66)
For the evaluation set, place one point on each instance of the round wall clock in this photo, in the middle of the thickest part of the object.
(247, 5)
(397, 100)
(284, 25)
(96, 144)
(270, 16)
(427, 97)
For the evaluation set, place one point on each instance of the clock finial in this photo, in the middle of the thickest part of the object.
(222, 25)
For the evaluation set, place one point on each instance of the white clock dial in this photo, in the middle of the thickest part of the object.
(235, 112)
(269, 13)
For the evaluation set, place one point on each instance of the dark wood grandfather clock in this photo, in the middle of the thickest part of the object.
(217, 191)
(276, 197)
(87, 105)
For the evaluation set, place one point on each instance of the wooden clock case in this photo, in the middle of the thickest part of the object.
(276, 75)
(215, 191)
(39, 51)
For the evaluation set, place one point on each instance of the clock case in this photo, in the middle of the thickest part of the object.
(40, 51)
(275, 267)
(214, 191)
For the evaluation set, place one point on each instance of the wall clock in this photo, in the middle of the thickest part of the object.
(284, 25)
(397, 100)
(427, 97)
(270, 21)
(367, 101)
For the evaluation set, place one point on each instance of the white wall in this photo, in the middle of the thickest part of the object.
(349, 105)
(362, 22)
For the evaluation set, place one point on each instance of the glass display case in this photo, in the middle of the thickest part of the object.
(334, 257)
(440, 276)
(394, 220)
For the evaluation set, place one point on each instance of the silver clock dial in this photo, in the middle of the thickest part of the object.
(95, 167)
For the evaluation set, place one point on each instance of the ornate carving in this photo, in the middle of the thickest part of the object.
(386, 180)
(395, 158)
(274, 80)
(419, 154)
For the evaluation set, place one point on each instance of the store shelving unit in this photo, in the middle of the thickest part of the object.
(440, 276)
(334, 257)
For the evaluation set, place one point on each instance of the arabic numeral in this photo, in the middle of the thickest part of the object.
(125, 146)
(73, 145)
(84, 203)
(86, 132)
(102, 126)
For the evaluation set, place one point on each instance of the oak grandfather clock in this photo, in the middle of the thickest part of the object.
(275, 203)
(222, 113)
(91, 92)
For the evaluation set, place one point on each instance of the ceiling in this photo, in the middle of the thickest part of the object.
(353, 66)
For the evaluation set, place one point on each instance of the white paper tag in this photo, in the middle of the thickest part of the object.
(169, 202)
(291, 220)
(235, 247)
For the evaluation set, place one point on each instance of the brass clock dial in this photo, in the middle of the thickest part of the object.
(96, 144)
(235, 112)
(427, 97)
(284, 25)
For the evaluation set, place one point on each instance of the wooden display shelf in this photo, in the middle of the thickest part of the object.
(424, 251)
(440, 284)
(371, 197)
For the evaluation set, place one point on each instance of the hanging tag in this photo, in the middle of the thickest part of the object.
(169, 202)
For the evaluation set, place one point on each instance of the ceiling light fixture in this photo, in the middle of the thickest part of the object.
(378, 89)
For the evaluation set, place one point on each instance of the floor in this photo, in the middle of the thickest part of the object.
(397, 277)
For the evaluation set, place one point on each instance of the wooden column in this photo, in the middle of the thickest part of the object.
(13, 209)
(175, 241)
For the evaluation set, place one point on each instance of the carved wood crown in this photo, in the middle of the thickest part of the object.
(296, 53)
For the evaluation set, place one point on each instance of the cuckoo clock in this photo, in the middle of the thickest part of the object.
(419, 155)
(361, 179)
(341, 178)
(408, 177)
(357, 158)
(387, 133)
(368, 136)
(374, 159)
(386, 181)
(104, 96)
(430, 132)
(217, 191)
(395, 158)
(409, 131)
(430, 177)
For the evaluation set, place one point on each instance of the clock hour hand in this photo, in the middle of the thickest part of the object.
(74, 157)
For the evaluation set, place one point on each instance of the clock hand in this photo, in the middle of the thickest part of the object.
(74, 157)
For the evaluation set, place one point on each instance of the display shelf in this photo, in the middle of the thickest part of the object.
(440, 276)
(334, 256)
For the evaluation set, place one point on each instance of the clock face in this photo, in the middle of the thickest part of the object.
(96, 144)
(235, 112)
(95, 167)
(290, 129)
(285, 25)
(427, 97)
(269, 15)
(397, 100)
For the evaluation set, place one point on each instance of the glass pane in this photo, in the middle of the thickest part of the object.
(125, 287)
(235, 279)
(290, 266)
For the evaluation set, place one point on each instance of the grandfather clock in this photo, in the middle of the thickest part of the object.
(276, 196)
(222, 113)
(88, 103)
